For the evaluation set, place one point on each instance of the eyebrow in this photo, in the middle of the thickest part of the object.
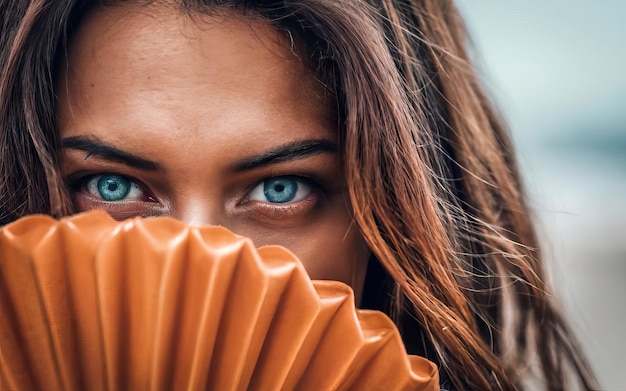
(95, 147)
(287, 152)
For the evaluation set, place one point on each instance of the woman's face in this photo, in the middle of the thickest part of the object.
(211, 121)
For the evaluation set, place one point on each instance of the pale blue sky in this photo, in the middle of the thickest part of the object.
(553, 64)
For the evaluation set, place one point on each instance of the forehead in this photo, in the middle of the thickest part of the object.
(123, 38)
(129, 62)
(187, 83)
(160, 31)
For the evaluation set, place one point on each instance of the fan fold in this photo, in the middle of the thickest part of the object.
(89, 303)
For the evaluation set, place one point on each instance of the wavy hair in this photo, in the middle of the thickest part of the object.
(428, 163)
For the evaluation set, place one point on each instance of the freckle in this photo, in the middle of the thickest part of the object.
(93, 85)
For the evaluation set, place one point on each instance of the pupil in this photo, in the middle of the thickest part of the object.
(279, 188)
(112, 186)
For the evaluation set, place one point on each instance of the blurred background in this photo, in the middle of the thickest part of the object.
(557, 69)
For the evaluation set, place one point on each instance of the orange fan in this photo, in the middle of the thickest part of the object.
(88, 303)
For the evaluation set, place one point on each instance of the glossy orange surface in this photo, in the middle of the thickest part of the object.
(89, 303)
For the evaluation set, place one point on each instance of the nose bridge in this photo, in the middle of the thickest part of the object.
(197, 210)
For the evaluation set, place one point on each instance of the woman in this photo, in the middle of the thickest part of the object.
(353, 133)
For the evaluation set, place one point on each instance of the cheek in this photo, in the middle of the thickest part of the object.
(330, 247)
(337, 253)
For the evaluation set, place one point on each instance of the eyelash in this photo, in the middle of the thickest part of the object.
(83, 184)
(315, 195)
(313, 188)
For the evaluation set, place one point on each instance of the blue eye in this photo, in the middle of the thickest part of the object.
(280, 190)
(113, 188)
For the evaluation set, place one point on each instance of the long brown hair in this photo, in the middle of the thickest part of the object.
(428, 163)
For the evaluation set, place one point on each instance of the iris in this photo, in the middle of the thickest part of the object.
(280, 190)
(113, 187)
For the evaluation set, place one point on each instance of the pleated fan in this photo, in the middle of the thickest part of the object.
(89, 303)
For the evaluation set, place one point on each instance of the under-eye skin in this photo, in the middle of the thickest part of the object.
(111, 188)
(121, 196)
(280, 190)
(281, 198)
(271, 200)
